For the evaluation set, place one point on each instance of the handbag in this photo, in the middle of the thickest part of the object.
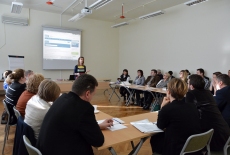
(4, 117)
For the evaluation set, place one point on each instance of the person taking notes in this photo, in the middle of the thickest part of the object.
(70, 126)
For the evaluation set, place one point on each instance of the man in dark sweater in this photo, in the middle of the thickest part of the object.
(210, 115)
(69, 126)
(223, 96)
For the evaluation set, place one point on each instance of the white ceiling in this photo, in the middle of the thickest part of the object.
(109, 12)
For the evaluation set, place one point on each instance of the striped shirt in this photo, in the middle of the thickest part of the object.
(13, 93)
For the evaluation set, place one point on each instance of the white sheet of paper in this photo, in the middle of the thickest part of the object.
(146, 126)
(117, 127)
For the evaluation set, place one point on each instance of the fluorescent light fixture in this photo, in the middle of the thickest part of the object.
(98, 4)
(77, 17)
(120, 24)
(194, 2)
(16, 7)
(151, 15)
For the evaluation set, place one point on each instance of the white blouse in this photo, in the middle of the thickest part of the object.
(35, 112)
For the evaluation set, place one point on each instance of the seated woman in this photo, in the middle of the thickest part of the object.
(163, 83)
(31, 90)
(124, 77)
(38, 105)
(180, 120)
(139, 80)
(183, 75)
(16, 81)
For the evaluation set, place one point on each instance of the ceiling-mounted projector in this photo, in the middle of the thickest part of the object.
(16, 7)
(86, 11)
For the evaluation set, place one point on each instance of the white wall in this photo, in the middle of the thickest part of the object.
(183, 38)
(99, 43)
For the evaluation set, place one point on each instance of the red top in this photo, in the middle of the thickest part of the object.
(22, 102)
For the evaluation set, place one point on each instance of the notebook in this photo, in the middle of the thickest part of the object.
(146, 126)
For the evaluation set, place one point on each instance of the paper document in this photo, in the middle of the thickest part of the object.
(117, 124)
(146, 126)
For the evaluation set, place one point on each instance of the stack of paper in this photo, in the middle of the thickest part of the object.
(146, 126)
(117, 124)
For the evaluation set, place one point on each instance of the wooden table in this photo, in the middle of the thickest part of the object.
(131, 90)
(128, 134)
(2, 91)
(66, 86)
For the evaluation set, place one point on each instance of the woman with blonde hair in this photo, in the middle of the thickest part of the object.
(31, 90)
(16, 81)
(38, 105)
(184, 76)
(163, 83)
(180, 120)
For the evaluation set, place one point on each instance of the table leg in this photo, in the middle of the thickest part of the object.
(132, 144)
(138, 146)
(112, 151)
(107, 90)
(113, 90)
(130, 96)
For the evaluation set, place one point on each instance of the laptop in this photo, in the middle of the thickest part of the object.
(72, 77)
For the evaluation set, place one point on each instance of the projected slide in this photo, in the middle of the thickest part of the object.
(61, 45)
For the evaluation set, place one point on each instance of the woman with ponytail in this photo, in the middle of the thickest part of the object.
(16, 81)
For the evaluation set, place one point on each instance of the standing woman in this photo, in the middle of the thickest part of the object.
(16, 81)
(80, 68)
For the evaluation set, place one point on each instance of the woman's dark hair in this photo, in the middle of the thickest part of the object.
(15, 76)
(170, 72)
(187, 72)
(141, 71)
(125, 70)
(79, 61)
(196, 81)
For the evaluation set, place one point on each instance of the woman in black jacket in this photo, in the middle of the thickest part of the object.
(180, 120)
(124, 77)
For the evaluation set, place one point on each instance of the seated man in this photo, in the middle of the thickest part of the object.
(151, 81)
(210, 115)
(200, 72)
(159, 74)
(223, 96)
(69, 126)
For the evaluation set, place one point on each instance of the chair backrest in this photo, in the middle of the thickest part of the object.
(5, 106)
(31, 150)
(197, 142)
(226, 146)
(16, 112)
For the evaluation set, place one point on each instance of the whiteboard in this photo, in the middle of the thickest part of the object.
(16, 62)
